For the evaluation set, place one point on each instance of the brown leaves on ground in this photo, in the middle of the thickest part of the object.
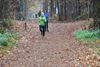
(58, 49)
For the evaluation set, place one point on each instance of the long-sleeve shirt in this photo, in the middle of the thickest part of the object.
(46, 16)
(42, 20)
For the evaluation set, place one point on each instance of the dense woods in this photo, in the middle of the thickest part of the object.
(61, 9)
(74, 9)
(96, 14)
(7, 8)
(65, 9)
(70, 9)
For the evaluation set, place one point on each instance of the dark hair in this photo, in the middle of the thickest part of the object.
(45, 11)
(39, 13)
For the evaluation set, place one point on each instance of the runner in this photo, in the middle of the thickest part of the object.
(42, 21)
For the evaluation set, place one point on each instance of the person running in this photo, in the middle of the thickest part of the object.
(42, 21)
(47, 18)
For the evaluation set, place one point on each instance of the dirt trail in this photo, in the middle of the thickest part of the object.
(57, 49)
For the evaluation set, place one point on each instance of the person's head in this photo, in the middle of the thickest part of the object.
(42, 13)
(39, 13)
(45, 11)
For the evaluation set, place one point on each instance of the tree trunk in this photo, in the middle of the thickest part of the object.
(96, 14)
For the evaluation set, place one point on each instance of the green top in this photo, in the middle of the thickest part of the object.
(42, 20)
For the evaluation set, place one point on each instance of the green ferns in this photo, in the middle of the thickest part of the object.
(7, 39)
(87, 35)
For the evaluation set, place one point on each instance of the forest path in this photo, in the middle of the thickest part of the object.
(58, 49)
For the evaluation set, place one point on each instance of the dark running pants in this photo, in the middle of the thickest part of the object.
(42, 30)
